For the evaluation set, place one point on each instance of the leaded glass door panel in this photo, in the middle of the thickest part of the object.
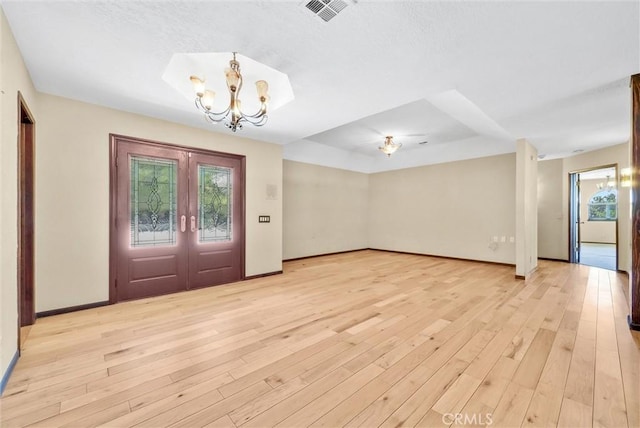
(151, 205)
(216, 207)
(178, 221)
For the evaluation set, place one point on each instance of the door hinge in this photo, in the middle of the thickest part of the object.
(115, 283)
(116, 161)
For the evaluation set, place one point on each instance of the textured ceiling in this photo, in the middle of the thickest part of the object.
(470, 76)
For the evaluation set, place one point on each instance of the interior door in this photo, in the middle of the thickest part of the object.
(150, 221)
(216, 210)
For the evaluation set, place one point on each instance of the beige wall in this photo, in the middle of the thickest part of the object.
(526, 209)
(550, 209)
(452, 209)
(325, 210)
(14, 77)
(594, 231)
(554, 241)
(619, 155)
(72, 188)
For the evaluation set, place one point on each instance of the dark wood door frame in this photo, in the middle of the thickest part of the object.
(114, 139)
(634, 280)
(26, 168)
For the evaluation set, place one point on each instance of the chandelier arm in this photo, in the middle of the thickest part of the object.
(233, 116)
(255, 120)
(216, 117)
(208, 112)
(260, 113)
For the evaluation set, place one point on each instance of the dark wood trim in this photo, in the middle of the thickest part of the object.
(263, 275)
(244, 217)
(634, 283)
(528, 275)
(401, 252)
(445, 257)
(135, 140)
(113, 236)
(553, 260)
(26, 214)
(69, 309)
(325, 254)
(632, 325)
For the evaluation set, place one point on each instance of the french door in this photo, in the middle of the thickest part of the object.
(178, 222)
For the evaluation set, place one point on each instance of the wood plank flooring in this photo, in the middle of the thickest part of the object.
(360, 339)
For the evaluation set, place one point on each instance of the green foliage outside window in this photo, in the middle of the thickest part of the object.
(603, 206)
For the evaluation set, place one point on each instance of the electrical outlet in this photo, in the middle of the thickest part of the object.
(503, 239)
(512, 239)
(494, 239)
(264, 219)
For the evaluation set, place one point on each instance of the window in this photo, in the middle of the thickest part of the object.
(603, 206)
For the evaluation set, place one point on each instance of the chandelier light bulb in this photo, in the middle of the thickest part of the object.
(233, 78)
(263, 88)
(198, 85)
(207, 99)
(233, 116)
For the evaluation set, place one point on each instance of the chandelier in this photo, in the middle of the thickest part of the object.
(389, 146)
(608, 184)
(233, 116)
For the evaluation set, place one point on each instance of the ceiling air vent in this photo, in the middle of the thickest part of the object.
(326, 9)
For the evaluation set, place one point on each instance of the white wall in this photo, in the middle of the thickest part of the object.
(451, 209)
(550, 209)
(526, 210)
(72, 195)
(603, 232)
(325, 210)
(14, 77)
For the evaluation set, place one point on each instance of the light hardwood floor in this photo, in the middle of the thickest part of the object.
(360, 339)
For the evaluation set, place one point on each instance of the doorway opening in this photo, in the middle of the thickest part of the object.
(593, 217)
(26, 155)
(177, 218)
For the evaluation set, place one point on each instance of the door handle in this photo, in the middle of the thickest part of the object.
(183, 223)
(193, 223)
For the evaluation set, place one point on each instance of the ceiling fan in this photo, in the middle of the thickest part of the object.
(389, 146)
